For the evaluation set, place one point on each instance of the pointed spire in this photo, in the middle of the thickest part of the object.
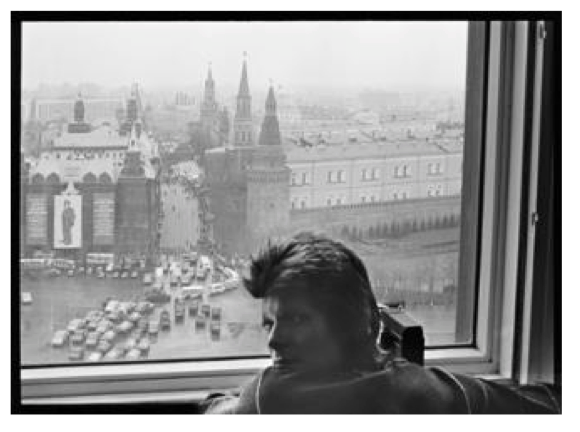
(209, 77)
(270, 133)
(271, 102)
(244, 87)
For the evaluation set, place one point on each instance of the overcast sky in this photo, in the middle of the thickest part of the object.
(387, 55)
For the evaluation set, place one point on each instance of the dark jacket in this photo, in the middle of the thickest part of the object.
(400, 388)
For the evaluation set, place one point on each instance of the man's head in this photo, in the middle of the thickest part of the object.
(319, 309)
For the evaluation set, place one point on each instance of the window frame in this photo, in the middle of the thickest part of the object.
(492, 259)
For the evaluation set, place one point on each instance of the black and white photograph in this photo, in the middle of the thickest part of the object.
(293, 213)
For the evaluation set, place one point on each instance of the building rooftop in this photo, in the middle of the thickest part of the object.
(367, 148)
(102, 137)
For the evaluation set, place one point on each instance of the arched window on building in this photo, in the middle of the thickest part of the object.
(89, 178)
(105, 178)
(53, 178)
(38, 179)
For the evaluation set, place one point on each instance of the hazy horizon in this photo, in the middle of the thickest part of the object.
(396, 56)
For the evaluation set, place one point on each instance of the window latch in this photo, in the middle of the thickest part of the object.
(535, 218)
(542, 32)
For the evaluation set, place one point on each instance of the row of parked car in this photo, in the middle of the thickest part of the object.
(102, 272)
(204, 313)
(101, 333)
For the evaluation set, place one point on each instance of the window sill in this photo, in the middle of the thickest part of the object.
(182, 382)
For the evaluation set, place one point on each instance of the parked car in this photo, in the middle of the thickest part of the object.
(144, 307)
(216, 313)
(95, 356)
(147, 279)
(134, 354)
(193, 308)
(125, 327)
(206, 310)
(60, 338)
(109, 336)
(130, 343)
(104, 326)
(104, 346)
(78, 336)
(215, 329)
(134, 274)
(115, 317)
(26, 298)
(116, 274)
(116, 353)
(144, 345)
(165, 321)
(92, 339)
(143, 325)
(217, 288)
(200, 322)
(127, 307)
(92, 325)
(70, 273)
(134, 316)
(157, 296)
(153, 327)
(112, 305)
(94, 315)
(75, 324)
(76, 353)
(124, 275)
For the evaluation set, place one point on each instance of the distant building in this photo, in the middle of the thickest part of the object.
(352, 181)
(249, 182)
(46, 110)
(108, 180)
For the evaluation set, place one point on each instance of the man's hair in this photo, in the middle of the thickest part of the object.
(333, 277)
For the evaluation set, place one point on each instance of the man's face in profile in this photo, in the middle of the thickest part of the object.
(299, 336)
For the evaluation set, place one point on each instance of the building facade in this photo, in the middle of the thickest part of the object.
(93, 190)
(353, 183)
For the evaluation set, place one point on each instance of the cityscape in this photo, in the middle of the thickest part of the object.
(141, 207)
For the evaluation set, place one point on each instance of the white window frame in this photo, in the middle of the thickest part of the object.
(501, 214)
(330, 177)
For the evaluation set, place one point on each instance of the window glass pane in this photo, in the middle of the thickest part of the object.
(141, 201)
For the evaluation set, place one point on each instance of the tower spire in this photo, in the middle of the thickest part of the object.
(243, 129)
(244, 89)
(270, 133)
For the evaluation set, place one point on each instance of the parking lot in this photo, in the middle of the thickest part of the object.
(58, 300)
